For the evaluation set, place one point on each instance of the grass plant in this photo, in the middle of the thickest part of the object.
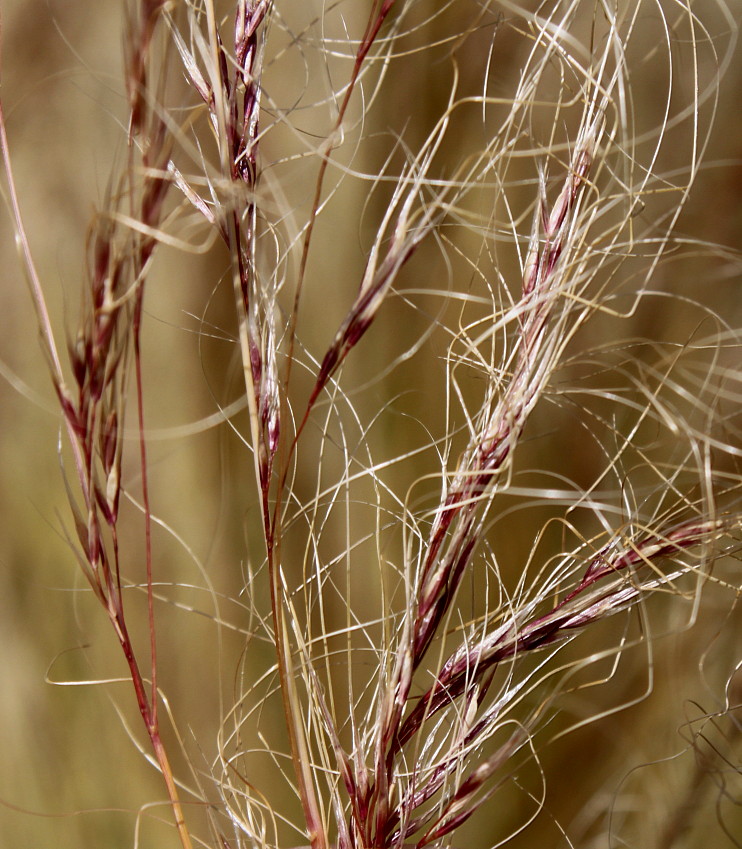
(480, 437)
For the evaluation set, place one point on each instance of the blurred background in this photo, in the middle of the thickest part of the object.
(74, 770)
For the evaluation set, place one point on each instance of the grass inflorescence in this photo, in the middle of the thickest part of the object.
(424, 589)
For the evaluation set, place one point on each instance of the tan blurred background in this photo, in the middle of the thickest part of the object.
(70, 772)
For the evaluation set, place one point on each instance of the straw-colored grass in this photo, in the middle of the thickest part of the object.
(399, 427)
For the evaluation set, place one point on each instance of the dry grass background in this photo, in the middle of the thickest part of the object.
(70, 776)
